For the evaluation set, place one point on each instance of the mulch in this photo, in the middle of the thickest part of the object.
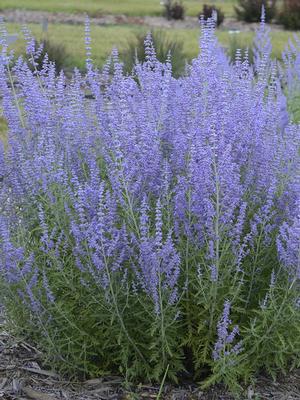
(23, 377)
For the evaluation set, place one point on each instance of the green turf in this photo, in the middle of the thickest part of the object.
(98, 7)
(104, 38)
(72, 37)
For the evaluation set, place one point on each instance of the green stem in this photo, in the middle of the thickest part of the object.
(162, 322)
(117, 309)
(15, 97)
(162, 383)
(253, 269)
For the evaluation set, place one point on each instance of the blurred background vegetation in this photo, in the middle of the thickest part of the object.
(104, 38)
(101, 7)
(65, 41)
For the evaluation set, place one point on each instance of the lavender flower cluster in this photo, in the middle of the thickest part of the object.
(182, 194)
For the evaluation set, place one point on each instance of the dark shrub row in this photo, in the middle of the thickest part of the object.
(288, 15)
(247, 10)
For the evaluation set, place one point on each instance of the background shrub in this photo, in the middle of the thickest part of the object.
(165, 46)
(208, 12)
(290, 14)
(174, 10)
(250, 10)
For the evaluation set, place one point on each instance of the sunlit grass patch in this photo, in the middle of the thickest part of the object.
(104, 38)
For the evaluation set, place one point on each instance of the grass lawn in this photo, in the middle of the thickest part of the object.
(104, 38)
(97, 7)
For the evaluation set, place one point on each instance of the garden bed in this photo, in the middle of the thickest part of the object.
(23, 376)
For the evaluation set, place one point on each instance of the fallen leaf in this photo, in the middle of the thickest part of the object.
(40, 372)
(35, 395)
(16, 385)
(3, 383)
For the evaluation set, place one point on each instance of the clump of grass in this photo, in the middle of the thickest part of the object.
(56, 53)
(164, 45)
(237, 46)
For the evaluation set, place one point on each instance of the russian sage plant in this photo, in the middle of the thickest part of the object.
(157, 225)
